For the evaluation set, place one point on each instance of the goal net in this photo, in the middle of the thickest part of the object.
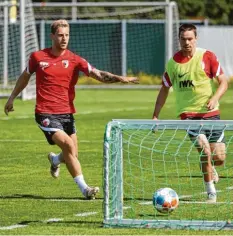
(16, 45)
(120, 37)
(142, 156)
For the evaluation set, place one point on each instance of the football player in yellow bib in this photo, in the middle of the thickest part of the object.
(191, 73)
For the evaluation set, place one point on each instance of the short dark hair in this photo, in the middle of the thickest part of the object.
(188, 27)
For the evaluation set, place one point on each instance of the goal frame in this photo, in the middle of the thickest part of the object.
(115, 218)
(25, 95)
(169, 6)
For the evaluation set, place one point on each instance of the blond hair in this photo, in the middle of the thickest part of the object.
(58, 23)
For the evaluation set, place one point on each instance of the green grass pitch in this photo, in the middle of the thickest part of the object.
(32, 202)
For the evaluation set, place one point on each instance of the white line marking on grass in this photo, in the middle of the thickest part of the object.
(72, 200)
(185, 196)
(145, 203)
(20, 141)
(12, 227)
(198, 202)
(189, 202)
(41, 140)
(17, 117)
(193, 202)
(86, 214)
(113, 110)
(53, 220)
(82, 112)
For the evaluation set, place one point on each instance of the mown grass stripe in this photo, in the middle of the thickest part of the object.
(12, 227)
(86, 214)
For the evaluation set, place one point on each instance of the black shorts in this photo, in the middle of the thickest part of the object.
(213, 136)
(51, 123)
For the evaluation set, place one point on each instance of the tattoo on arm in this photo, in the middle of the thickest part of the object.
(105, 77)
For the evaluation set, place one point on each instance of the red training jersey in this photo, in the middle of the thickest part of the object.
(56, 78)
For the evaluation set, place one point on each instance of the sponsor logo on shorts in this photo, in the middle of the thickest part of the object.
(46, 122)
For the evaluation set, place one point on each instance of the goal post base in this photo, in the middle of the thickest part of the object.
(169, 224)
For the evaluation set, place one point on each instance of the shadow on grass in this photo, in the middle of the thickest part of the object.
(94, 223)
(30, 196)
(36, 197)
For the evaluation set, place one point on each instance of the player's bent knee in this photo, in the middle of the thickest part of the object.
(68, 146)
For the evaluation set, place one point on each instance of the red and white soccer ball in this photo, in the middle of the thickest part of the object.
(165, 200)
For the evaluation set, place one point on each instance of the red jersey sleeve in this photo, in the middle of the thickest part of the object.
(83, 65)
(211, 65)
(32, 64)
(166, 80)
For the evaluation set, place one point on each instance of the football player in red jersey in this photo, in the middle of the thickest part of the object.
(57, 70)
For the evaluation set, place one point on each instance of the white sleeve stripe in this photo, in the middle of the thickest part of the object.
(165, 82)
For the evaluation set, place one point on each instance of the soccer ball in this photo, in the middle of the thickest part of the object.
(165, 200)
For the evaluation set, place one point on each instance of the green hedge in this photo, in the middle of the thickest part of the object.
(143, 80)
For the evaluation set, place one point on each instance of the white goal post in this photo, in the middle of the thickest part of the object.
(142, 156)
(20, 37)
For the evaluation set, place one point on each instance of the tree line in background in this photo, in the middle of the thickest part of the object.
(218, 12)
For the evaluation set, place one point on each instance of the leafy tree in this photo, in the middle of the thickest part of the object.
(217, 11)
(191, 9)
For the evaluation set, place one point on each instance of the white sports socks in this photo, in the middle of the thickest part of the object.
(79, 180)
(210, 187)
(57, 159)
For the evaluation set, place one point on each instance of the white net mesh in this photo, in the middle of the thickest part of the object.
(10, 66)
(120, 39)
(144, 156)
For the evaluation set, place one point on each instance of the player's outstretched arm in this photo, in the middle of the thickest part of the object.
(19, 86)
(107, 77)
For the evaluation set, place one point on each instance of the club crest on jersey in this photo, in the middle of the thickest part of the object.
(46, 122)
(65, 63)
(43, 65)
